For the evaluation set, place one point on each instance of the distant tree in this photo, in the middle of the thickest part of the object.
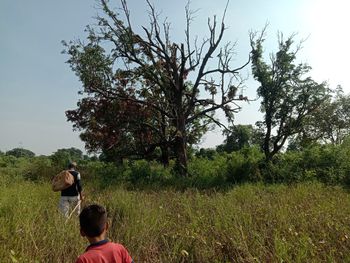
(240, 136)
(206, 153)
(288, 98)
(330, 123)
(20, 152)
(150, 70)
(299, 142)
(93, 158)
(63, 157)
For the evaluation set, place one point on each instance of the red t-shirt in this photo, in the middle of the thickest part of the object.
(105, 252)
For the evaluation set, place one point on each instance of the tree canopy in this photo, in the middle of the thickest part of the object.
(240, 136)
(330, 123)
(20, 152)
(63, 157)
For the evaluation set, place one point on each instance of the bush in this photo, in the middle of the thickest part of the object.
(144, 172)
(104, 174)
(40, 169)
(206, 173)
(329, 164)
(12, 168)
(243, 166)
(287, 167)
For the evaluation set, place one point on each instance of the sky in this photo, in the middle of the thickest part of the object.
(37, 86)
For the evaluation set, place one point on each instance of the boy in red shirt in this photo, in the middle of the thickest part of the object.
(94, 226)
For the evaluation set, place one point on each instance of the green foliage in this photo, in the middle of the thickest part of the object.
(206, 153)
(225, 169)
(329, 123)
(241, 136)
(143, 172)
(11, 169)
(243, 166)
(7, 161)
(104, 174)
(140, 170)
(288, 95)
(329, 164)
(207, 172)
(40, 169)
(20, 152)
(326, 163)
(62, 157)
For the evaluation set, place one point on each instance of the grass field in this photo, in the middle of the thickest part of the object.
(249, 223)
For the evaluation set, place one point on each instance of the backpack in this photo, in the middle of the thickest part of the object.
(62, 181)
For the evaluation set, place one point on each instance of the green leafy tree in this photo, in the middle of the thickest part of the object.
(20, 152)
(151, 70)
(331, 122)
(288, 97)
(62, 157)
(240, 136)
(206, 153)
(118, 128)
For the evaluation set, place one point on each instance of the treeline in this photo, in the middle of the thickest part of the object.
(319, 151)
(208, 168)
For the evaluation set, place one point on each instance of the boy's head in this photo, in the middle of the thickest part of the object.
(93, 221)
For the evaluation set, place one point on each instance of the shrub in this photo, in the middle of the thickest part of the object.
(40, 169)
(145, 172)
(205, 173)
(243, 166)
(105, 174)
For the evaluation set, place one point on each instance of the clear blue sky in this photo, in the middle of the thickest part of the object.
(37, 86)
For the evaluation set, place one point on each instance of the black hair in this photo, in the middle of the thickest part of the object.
(92, 220)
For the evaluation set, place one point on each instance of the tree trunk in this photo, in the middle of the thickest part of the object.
(266, 148)
(164, 147)
(118, 160)
(181, 156)
(165, 155)
(180, 148)
(266, 145)
(268, 156)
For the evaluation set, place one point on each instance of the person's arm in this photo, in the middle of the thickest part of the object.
(126, 256)
(80, 260)
(79, 187)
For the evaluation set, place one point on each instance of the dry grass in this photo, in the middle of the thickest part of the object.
(250, 223)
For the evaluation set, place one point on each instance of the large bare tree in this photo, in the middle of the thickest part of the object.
(182, 83)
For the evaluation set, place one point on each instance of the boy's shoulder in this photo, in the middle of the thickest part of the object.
(107, 252)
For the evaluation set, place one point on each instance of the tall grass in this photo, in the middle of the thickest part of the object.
(306, 222)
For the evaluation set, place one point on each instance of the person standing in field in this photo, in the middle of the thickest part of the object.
(71, 196)
(94, 226)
